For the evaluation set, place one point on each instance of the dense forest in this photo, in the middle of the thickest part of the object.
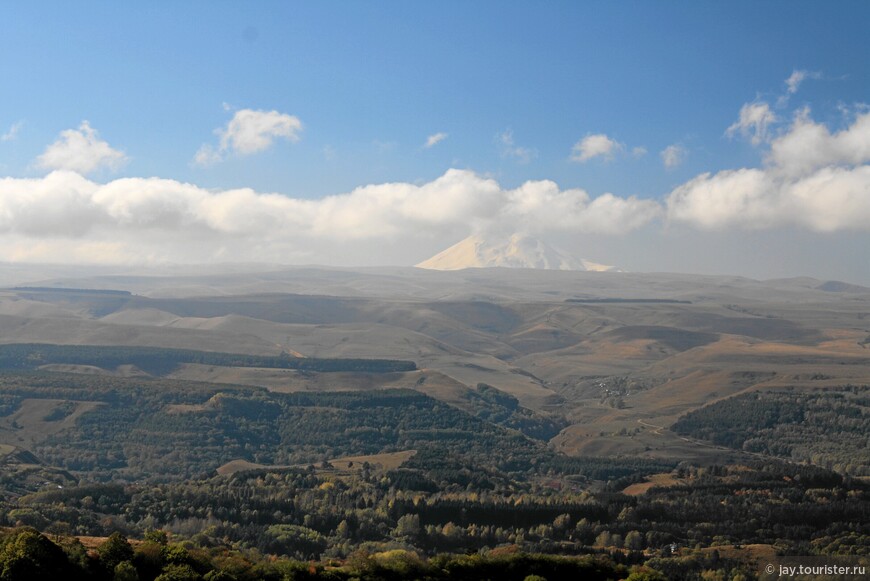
(160, 361)
(163, 430)
(147, 458)
(27, 554)
(379, 524)
(829, 427)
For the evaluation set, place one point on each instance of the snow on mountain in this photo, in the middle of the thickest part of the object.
(516, 251)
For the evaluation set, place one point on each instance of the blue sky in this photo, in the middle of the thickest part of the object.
(514, 86)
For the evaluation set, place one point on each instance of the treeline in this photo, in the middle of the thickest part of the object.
(28, 554)
(160, 361)
(829, 427)
(64, 290)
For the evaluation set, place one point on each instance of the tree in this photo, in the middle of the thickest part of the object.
(149, 559)
(30, 555)
(157, 536)
(562, 522)
(114, 550)
(125, 571)
(645, 574)
(634, 541)
(408, 526)
(343, 529)
(179, 573)
(603, 539)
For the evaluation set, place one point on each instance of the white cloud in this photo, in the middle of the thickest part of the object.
(793, 83)
(797, 77)
(813, 179)
(754, 122)
(435, 139)
(542, 206)
(808, 145)
(639, 151)
(206, 155)
(510, 149)
(253, 131)
(734, 197)
(673, 155)
(249, 132)
(597, 145)
(150, 219)
(12, 134)
(82, 151)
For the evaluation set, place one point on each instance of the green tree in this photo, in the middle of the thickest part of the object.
(603, 539)
(218, 576)
(645, 574)
(114, 550)
(408, 526)
(125, 571)
(30, 555)
(634, 541)
(157, 536)
(149, 559)
(178, 573)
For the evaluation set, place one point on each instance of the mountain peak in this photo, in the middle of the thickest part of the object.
(515, 251)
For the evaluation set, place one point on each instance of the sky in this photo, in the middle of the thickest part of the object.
(708, 137)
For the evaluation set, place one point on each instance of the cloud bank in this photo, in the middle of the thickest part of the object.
(65, 216)
(812, 178)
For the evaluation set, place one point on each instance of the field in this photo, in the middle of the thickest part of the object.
(345, 464)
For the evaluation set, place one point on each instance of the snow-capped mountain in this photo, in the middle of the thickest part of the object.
(516, 251)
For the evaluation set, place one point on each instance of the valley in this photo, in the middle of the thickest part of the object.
(589, 347)
(316, 413)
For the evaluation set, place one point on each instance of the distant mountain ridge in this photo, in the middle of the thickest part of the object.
(515, 251)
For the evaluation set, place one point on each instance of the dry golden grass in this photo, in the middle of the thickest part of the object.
(234, 466)
(27, 426)
(663, 479)
(762, 554)
(389, 461)
(386, 461)
(93, 543)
